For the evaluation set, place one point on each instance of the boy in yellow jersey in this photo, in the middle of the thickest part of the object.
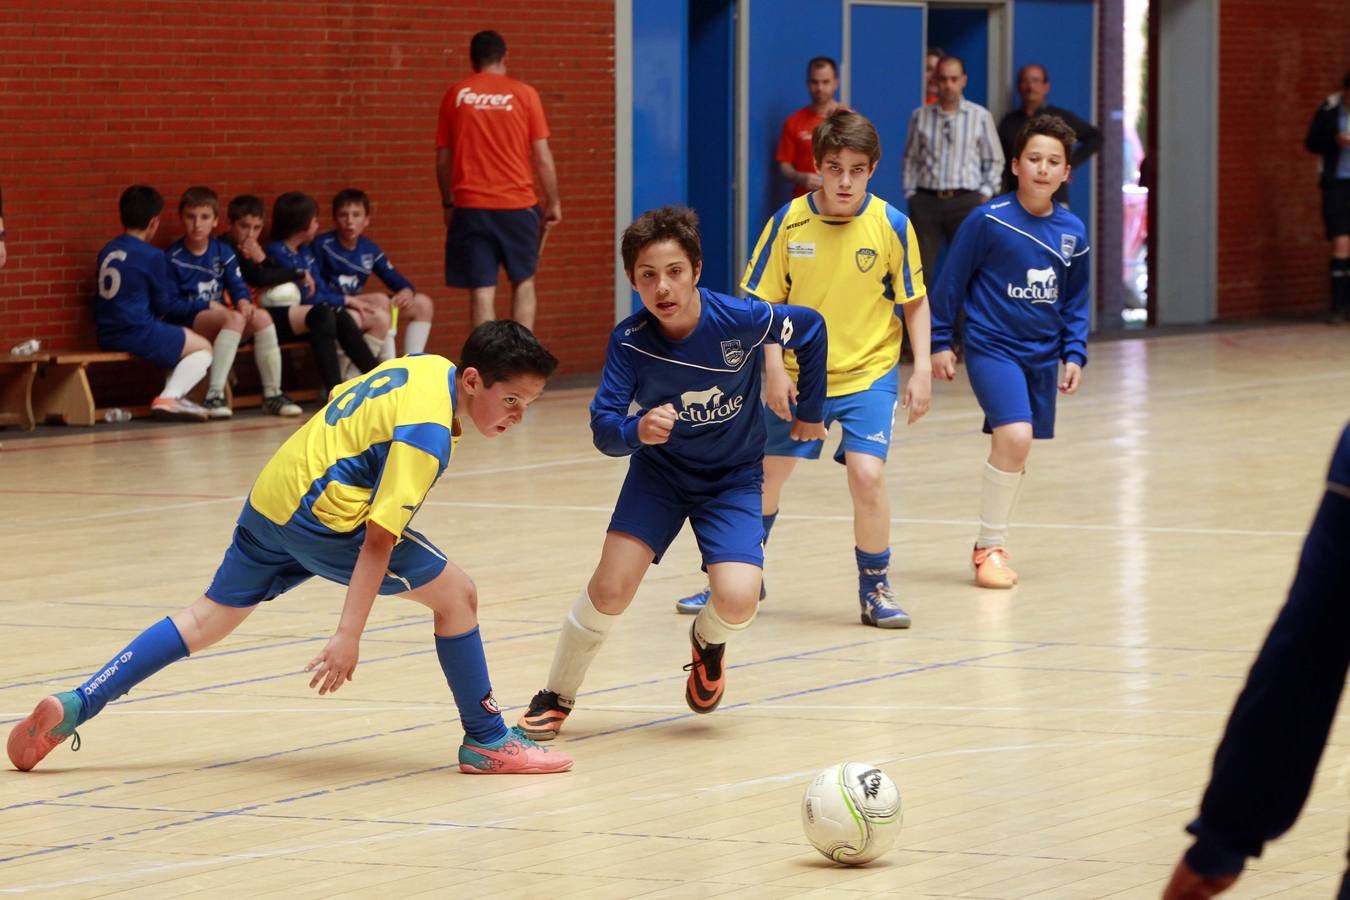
(853, 257)
(336, 501)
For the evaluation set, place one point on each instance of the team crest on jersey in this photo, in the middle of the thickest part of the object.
(367, 260)
(866, 258)
(489, 704)
(732, 354)
(1067, 243)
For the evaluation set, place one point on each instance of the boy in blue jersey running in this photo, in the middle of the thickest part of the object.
(855, 258)
(207, 272)
(336, 501)
(1019, 267)
(135, 293)
(348, 258)
(691, 360)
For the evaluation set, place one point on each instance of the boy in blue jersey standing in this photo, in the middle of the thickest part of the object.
(207, 271)
(853, 257)
(134, 293)
(1019, 267)
(691, 360)
(348, 258)
(336, 501)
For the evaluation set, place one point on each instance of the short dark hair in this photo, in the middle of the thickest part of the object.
(818, 61)
(245, 205)
(936, 51)
(666, 223)
(138, 205)
(197, 195)
(956, 59)
(846, 130)
(291, 214)
(1050, 126)
(501, 349)
(348, 196)
(486, 48)
(1045, 73)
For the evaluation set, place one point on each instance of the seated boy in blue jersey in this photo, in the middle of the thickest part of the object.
(295, 221)
(853, 257)
(348, 258)
(134, 292)
(207, 271)
(691, 360)
(336, 500)
(1019, 268)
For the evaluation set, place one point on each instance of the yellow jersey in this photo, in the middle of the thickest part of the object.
(855, 270)
(370, 455)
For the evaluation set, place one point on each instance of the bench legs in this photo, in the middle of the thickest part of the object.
(16, 393)
(62, 394)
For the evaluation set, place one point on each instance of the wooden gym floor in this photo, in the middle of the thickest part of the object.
(1048, 742)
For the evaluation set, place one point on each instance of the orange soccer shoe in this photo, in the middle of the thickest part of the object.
(545, 717)
(992, 569)
(707, 677)
(50, 723)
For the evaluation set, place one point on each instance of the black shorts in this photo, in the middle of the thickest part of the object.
(481, 241)
(1336, 208)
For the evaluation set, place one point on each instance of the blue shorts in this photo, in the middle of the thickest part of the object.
(725, 514)
(157, 342)
(481, 241)
(1011, 391)
(265, 560)
(867, 417)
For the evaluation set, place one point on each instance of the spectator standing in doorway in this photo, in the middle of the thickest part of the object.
(796, 159)
(1033, 83)
(930, 62)
(1329, 137)
(491, 145)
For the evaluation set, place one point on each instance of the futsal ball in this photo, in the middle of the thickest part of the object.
(851, 813)
(282, 295)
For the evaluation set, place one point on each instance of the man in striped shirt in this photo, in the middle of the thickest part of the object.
(953, 162)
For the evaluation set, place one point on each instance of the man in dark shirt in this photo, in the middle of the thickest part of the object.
(1329, 138)
(1265, 763)
(1033, 83)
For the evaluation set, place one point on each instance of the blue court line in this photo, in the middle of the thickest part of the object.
(257, 806)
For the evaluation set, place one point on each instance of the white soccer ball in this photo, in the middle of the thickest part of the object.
(282, 295)
(851, 813)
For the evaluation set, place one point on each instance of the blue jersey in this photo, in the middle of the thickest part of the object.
(348, 270)
(302, 257)
(133, 287)
(202, 279)
(712, 378)
(1023, 281)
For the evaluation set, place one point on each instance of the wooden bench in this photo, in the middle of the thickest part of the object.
(54, 387)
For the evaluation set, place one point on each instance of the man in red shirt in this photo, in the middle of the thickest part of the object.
(796, 160)
(491, 143)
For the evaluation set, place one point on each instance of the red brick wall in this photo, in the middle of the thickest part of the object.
(1276, 63)
(264, 97)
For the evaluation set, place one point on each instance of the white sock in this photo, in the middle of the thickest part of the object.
(222, 358)
(387, 348)
(377, 346)
(710, 628)
(996, 505)
(267, 356)
(415, 336)
(583, 632)
(186, 374)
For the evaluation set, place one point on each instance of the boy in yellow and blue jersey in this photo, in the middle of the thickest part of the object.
(336, 501)
(853, 257)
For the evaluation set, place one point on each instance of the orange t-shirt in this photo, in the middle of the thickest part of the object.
(794, 145)
(488, 122)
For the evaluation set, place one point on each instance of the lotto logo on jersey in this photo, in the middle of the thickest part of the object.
(1042, 287)
(468, 97)
(709, 406)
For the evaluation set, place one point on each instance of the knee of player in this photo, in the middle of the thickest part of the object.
(868, 481)
(234, 321)
(608, 595)
(260, 320)
(422, 307)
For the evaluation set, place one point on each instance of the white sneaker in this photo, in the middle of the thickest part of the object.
(178, 408)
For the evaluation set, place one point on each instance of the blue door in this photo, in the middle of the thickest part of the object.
(884, 81)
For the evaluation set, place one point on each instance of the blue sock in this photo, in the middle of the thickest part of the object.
(465, 668)
(153, 649)
(768, 519)
(872, 569)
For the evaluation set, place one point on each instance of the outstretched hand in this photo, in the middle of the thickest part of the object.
(336, 664)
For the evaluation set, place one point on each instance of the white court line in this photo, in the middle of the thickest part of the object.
(29, 525)
(905, 520)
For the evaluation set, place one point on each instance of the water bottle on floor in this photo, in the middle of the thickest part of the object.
(117, 414)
